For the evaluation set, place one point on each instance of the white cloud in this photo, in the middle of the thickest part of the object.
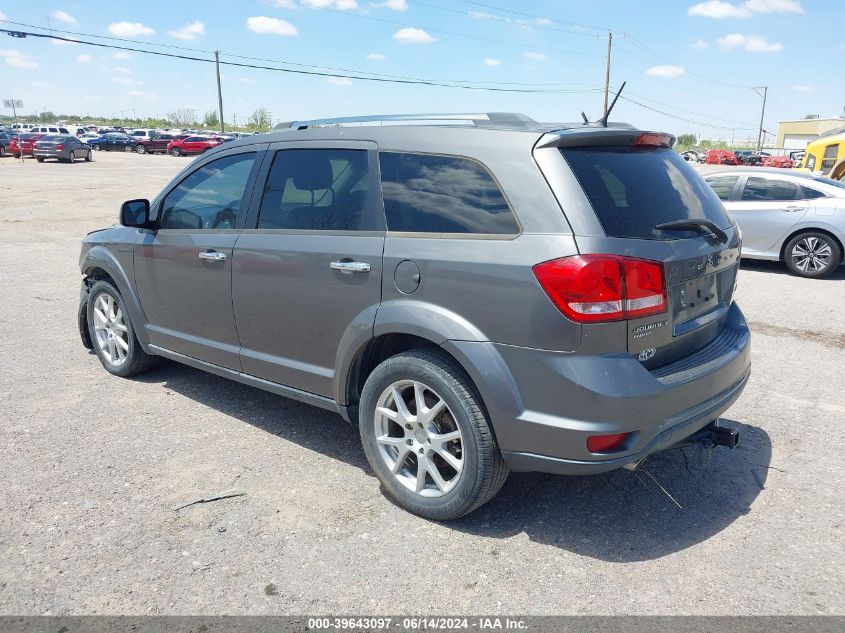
(774, 6)
(340, 5)
(339, 81)
(143, 95)
(61, 16)
(16, 59)
(264, 25)
(753, 43)
(282, 4)
(394, 5)
(719, 10)
(411, 35)
(759, 44)
(700, 44)
(126, 81)
(3, 16)
(665, 71)
(801, 88)
(534, 57)
(376, 57)
(85, 58)
(122, 70)
(130, 29)
(492, 62)
(42, 84)
(123, 55)
(189, 32)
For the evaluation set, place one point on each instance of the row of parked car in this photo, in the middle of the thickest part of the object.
(20, 143)
(743, 157)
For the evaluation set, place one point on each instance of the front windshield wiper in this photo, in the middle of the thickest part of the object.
(701, 226)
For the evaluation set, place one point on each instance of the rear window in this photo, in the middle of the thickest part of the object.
(52, 137)
(632, 190)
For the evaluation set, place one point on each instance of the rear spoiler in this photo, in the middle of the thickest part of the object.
(602, 137)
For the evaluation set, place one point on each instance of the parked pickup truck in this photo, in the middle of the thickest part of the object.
(157, 143)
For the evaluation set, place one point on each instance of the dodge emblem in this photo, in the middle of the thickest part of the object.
(647, 354)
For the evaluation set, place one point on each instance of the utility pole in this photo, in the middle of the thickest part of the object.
(607, 70)
(219, 91)
(765, 90)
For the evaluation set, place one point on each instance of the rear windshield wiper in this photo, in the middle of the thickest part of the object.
(701, 226)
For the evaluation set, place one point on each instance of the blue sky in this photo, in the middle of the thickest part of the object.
(689, 60)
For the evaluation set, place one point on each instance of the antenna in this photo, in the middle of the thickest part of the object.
(603, 120)
(586, 120)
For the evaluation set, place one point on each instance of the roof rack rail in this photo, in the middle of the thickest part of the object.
(478, 119)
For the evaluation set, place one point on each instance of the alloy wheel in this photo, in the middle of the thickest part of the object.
(110, 329)
(811, 254)
(418, 438)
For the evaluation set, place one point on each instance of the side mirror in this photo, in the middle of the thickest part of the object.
(135, 213)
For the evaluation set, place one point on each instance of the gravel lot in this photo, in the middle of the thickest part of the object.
(93, 466)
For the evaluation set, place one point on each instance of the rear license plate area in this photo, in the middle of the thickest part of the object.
(694, 297)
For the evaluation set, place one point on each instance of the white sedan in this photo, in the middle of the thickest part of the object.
(88, 137)
(796, 218)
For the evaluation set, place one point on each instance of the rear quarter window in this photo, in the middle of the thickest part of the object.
(632, 190)
(425, 193)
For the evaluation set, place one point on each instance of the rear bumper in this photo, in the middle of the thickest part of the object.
(562, 399)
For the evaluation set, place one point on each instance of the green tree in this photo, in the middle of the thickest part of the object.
(211, 120)
(260, 120)
(182, 117)
(687, 140)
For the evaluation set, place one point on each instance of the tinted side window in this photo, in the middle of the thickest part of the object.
(811, 194)
(442, 194)
(210, 198)
(723, 186)
(318, 189)
(765, 190)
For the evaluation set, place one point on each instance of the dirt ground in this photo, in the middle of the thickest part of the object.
(93, 466)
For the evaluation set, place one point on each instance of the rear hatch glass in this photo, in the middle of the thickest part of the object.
(634, 189)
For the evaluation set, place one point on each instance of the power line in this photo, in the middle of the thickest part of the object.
(456, 34)
(680, 118)
(285, 62)
(485, 5)
(421, 82)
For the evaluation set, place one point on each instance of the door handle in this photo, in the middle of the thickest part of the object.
(213, 256)
(793, 209)
(350, 267)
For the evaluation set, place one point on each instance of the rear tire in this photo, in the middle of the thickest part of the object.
(113, 334)
(127, 148)
(399, 446)
(88, 156)
(2, 151)
(97, 148)
(812, 254)
(39, 159)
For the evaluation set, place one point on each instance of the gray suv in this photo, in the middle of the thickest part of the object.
(503, 295)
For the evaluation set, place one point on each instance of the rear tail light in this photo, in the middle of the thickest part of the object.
(606, 443)
(60, 147)
(595, 288)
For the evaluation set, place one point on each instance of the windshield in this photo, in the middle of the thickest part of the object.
(632, 190)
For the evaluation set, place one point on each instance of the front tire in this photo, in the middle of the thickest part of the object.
(112, 333)
(812, 254)
(141, 149)
(97, 148)
(427, 437)
(175, 152)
